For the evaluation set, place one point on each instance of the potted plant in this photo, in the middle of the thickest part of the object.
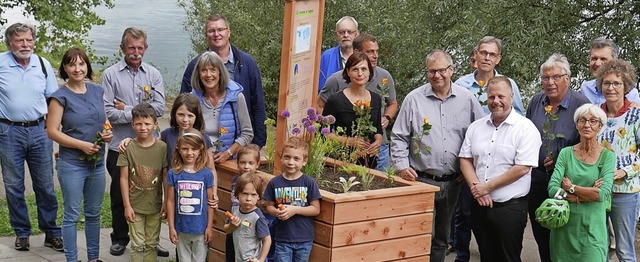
(387, 224)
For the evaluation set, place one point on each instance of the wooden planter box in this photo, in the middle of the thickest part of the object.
(391, 224)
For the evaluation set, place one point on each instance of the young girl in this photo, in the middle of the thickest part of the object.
(247, 223)
(190, 185)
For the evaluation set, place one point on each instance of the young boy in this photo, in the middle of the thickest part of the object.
(246, 222)
(143, 170)
(299, 197)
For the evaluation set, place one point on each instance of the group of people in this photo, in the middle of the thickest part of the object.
(496, 161)
(493, 161)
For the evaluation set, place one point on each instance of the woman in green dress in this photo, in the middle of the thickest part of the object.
(585, 173)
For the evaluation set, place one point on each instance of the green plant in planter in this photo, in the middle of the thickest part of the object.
(390, 173)
(361, 172)
(347, 184)
(270, 146)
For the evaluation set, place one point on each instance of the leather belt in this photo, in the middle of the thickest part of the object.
(23, 124)
(442, 178)
(512, 201)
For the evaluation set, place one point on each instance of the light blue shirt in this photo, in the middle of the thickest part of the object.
(469, 82)
(23, 91)
(121, 83)
(231, 65)
(588, 89)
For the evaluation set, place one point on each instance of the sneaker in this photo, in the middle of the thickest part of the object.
(54, 243)
(22, 243)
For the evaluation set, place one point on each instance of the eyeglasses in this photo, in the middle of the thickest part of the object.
(592, 122)
(343, 32)
(612, 84)
(555, 78)
(219, 30)
(441, 71)
(490, 54)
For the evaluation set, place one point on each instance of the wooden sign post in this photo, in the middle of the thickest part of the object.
(300, 65)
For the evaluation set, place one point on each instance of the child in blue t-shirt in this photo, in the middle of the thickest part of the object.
(190, 187)
(246, 222)
(294, 198)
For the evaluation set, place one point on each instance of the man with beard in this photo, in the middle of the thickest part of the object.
(126, 84)
(26, 81)
(333, 59)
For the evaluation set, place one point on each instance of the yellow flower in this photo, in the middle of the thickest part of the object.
(621, 132)
(106, 126)
(607, 145)
(633, 148)
(223, 130)
(384, 81)
(635, 167)
(147, 89)
(548, 109)
(366, 104)
(481, 83)
(426, 120)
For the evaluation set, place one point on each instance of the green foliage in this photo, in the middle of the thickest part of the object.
(390, 173)
(531, 31)
(6, 230)
(270, 147)
(346, 185)
(63, 24)
(361, 172)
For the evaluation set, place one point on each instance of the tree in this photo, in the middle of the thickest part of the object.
(62, 23)
(408, 29)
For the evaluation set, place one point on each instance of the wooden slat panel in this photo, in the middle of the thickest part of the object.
(323, 233)
(380, 208)
(320, 254)
(380, 229)
(384, 250)
(414, 259)
(216, 255)
(219, 240)
(224, 199)
(326, 211)
(218, 221)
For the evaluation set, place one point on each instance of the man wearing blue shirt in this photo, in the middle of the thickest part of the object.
(487, 55)
(602, 50)
(333, 59)
(26, 81)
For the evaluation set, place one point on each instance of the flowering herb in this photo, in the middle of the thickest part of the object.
(547, 136)
(148, 92)
(218, 144)
(481, 91)
(417, 138)
(384, 89)
(97, 140)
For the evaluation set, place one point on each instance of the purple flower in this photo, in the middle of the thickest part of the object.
(295, 130)
(330, 119)
(313, 118)
(285, 114)
(325, 131)
(320, 119)
(311, 129)
(311, 111)
(305, 122)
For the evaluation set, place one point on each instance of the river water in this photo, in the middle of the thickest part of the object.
(169, 44)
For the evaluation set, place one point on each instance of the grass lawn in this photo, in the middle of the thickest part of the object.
(5, 227)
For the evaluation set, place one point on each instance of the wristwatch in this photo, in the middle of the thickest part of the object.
(572, 189)
(229, 152)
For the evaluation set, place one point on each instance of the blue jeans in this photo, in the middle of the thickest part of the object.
(31, 144)
(293, 251)
(79, 182)
(624, 217)
(445, 204)
(383, 158)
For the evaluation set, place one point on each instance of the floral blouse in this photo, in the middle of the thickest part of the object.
(621, 135)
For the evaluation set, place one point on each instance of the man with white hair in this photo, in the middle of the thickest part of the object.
(26, 81)
(558, 101)
(333, 59)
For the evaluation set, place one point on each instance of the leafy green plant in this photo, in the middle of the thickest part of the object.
(270, 146)
(361, 172)
(390, 173)
(347, 184)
